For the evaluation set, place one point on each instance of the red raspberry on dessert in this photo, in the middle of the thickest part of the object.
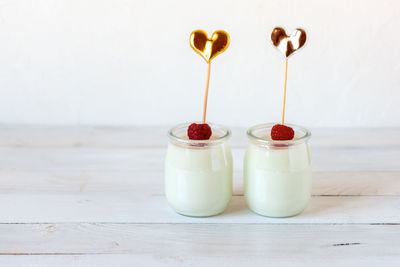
(199, 131)
(282, 132)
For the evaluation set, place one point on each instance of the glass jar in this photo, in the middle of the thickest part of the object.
(277, 174)
(198, 173)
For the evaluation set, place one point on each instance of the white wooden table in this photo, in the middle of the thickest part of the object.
(94, 197)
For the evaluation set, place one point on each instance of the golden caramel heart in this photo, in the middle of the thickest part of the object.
(288, 44)
(206, 47)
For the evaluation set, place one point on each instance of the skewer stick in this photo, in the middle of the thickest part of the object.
(206, 94)
(284, 94)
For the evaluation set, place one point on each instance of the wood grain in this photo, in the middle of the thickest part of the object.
(203, 244)
(152, 159)
(137, 208)
(329, 183)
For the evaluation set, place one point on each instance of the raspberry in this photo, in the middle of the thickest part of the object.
(282, 132)
(199, 131)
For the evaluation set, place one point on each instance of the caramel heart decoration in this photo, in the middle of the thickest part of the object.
(206, 47)
(288, 44)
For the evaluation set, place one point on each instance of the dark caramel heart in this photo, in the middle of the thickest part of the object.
(206, 47)
(288, 44)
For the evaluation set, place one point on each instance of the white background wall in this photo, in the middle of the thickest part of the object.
(114, 62)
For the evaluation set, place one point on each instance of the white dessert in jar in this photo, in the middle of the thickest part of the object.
(277, 174)
(198, 173)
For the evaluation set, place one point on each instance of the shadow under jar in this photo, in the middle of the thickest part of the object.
(277, 174)
(198, 173)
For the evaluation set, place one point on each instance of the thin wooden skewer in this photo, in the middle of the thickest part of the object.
(206, 95)
(284, 94)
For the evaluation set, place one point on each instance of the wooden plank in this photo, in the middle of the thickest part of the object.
(150, 260)
(152, 182)
(138, 208)
(356, 183)
(143, 159)
(62, 136)
(202, 244)
(139, 136)
(356, 138)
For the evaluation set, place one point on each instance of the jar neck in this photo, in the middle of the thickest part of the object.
(260, 135)
(178, 136)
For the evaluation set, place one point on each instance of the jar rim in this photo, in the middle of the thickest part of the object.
(299, 139)
(183, 139)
